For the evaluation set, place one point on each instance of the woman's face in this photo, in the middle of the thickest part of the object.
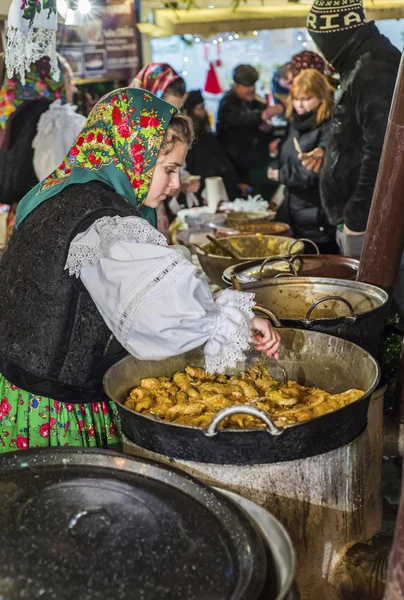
(166, 177)
(176, 101)
(200, 111)
(304, 103)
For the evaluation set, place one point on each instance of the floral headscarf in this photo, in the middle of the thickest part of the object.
(155, 77)
(14, 95)
(118, 145)
(306, 60)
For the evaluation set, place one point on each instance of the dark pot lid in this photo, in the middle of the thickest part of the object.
(77, 523)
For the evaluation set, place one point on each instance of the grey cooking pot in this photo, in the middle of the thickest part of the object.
(352, 310)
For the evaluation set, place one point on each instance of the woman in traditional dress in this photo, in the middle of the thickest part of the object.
(161, 80)
(86, 277)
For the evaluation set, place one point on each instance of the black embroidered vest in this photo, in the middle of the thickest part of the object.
(53, 341)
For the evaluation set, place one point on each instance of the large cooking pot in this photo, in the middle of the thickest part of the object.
(264, 227)
(257, 271)
(249, 247)
(310, 358)
(352, 310)
(90, 524)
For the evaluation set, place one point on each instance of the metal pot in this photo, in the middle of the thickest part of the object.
(352, 310)
(234, 219)
(256, 272)
(249, 247)
(310, 358)
(278, 543)
(129, 528)
(264, 227)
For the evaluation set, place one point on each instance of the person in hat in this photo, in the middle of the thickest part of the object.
(244, 130)
(86, 278)
(305, 60)
(367, 64)
(163, 81)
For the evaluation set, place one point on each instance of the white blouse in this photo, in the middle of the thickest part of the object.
(151, 298)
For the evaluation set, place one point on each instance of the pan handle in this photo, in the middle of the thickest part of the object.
(270, 314)
(284, 275)
(307, 242)
(235, 282)
(296, 257)
(272, 429)
(272, 259)
(352, 317)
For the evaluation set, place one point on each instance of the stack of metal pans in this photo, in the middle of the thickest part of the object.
(77, 523)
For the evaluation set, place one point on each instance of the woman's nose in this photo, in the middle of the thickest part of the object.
(175, 181)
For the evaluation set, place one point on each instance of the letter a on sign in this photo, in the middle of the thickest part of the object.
(351, 18)
(328, 22)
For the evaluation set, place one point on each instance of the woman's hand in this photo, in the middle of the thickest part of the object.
(191, 186)
(312, 161)
(244, 189)
(265, 337)
(273, 174)
(273, 147)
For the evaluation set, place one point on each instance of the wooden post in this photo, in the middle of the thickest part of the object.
(384, 240)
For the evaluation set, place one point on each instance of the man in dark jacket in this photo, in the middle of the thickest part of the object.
(244, 130)
(367, 63)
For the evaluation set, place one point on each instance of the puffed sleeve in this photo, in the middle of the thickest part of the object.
(151, 299)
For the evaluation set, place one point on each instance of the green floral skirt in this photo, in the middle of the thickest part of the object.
(28, 421)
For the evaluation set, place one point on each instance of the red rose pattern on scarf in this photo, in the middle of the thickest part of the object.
(116, 134)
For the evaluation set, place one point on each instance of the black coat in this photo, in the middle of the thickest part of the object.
(17, 174)
(302, 204)
(237, 130)
(207, 158)
(368, 67)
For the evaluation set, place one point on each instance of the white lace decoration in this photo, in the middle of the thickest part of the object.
(232, 337)
(23, 50)
(111, 229)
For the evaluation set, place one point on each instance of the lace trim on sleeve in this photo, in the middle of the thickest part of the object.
(234, 338)
(110, 230)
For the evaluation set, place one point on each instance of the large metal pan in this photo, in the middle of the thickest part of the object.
(264, 227)
(257, 271)
(248, 247)
(309, 357)
(130, 529)
(352, 310)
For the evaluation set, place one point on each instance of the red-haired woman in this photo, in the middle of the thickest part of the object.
(308, 111)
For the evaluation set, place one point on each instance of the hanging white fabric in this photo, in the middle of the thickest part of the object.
(31, 35)
(57, 131)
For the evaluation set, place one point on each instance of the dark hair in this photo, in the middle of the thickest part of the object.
(180, 129)
(176, 88)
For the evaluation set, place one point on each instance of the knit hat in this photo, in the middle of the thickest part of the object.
(332, 22)
(306, 60)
